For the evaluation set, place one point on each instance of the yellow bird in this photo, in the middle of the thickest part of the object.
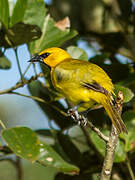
(82, 83)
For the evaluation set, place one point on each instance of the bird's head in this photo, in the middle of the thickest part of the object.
(51, 56)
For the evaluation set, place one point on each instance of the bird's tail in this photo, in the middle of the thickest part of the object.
(114, 116)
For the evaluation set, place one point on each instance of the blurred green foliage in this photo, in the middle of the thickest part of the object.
(108, 29)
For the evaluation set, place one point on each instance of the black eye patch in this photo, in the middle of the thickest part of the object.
(45, 55)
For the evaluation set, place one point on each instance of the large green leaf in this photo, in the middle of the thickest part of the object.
(120, 154)
(48, 157)
(11, 6)
(20, 33)
(51, 36)
(77, 53)
(128, 94)
(129, 119)
(4, 12)
(35, 13)
(18, 12)
(25, 143)
(4, 63)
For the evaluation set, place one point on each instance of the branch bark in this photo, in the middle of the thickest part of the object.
(112, 143)
(21, 84)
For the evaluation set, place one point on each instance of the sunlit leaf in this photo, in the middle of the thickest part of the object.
(77, 53)
(4, 12)
(35, 13)
(51, 36)
(11, 6)
(128, 94)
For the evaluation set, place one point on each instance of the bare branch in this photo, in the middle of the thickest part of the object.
(112, 143)
(21, 84)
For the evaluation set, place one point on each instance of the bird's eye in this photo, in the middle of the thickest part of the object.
(45, 55)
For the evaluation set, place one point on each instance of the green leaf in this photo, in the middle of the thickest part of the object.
(11, 6)
(18, 12)
(4, 12)
(48, 157)
(13, 37)
(128, 94)
(4, 63)
(77, 53)
(51, 36)
(120, 154)
(23, 142)
(129, 119)
(35, 13)
(98, 142)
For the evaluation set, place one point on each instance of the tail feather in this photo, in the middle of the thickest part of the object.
(114, 116)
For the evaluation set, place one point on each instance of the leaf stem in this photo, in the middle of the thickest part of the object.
(26, 69)
(18, 64)
(130, 168)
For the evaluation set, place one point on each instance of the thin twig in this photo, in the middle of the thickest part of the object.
(2, 124)
(99, 133)
(112, 143)
(27, 69)
(130, 169)
(19, 168)
(34, 68)
(40, 100)
(20, 84)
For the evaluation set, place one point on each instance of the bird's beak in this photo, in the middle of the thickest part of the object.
(36, 58)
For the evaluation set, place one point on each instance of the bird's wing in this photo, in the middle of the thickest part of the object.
(86, 74)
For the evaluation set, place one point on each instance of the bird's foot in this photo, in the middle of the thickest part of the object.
(80, 119)
(83, 120)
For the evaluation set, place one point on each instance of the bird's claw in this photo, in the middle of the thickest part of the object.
(83, 120)
(80, 119)
(73, 114)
